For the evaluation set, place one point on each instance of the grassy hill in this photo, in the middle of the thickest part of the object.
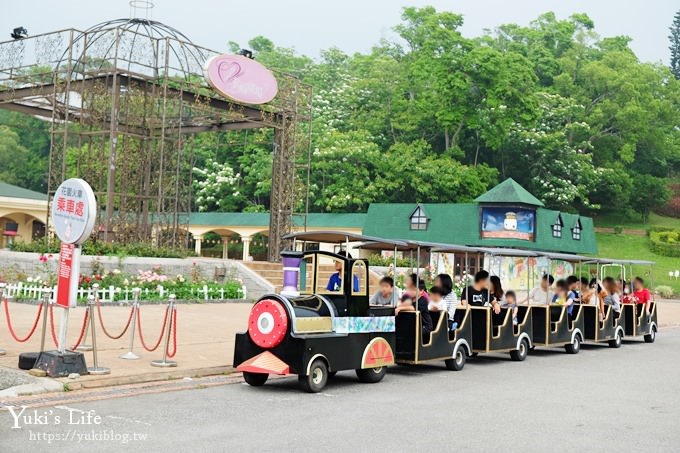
(611, 221)
(625, 246)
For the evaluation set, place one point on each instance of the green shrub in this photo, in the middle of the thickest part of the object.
(664, 291)
(378, 260)
(665, 243)
(618, 229)
(99, 248)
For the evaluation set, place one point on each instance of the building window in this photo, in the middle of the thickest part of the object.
(557, 227)
(576, 231)
(419, 219)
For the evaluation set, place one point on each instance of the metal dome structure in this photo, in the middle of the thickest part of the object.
(122, 97)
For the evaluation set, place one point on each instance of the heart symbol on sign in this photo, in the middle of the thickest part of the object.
(228, 71)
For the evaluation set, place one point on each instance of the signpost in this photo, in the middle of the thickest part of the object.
(73, 213)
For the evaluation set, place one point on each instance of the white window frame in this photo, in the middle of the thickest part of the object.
(418, 220)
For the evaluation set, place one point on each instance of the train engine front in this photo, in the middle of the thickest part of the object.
(310, 334)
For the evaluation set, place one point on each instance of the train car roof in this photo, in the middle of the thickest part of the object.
(565, 256)
(385, 244)
(453, 248)
(619, 261)
(337, 237)
(500, 251)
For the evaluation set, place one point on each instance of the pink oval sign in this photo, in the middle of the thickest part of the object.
(241, 79)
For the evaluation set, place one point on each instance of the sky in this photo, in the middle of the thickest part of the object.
(351, 25)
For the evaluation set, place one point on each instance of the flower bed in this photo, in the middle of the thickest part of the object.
(115, 285)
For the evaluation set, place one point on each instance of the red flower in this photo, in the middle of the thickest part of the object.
(87, 279)
(97, 277)
(43, 259)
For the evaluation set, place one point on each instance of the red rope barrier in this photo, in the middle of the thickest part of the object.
(106, 332)
(174, 335)
(160, 338)
(52, 332)
(82, 331)
(11, 329)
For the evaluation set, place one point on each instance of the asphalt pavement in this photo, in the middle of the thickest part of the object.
(602, 399)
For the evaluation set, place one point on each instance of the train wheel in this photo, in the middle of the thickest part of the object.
(519, 354)
(255, 379)
(575, 347)
(457, 362)
(316, 380)
(616, 342)
(371, 375)
(651, 336)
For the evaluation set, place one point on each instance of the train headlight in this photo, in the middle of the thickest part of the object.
(267, 323)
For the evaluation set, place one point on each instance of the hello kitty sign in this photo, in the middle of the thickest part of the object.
(241, 79)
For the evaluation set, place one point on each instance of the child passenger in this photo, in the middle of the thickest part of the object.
(563, 296)
(407, 304)
(511, 303)
(439, 303)
(612, 297)
(449, 301)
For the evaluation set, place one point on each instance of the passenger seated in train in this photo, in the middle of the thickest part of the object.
(335, 280)
(413, 287)
(627, 296)
(642, 296)
(510, 302)
(574, 284)
(497, 296)
(594, 294)
(438, 304)
(406, 304)
(563, 296)
(448, 302)
(478, 294)
(612, 296)
(387, 294)
(543, 293)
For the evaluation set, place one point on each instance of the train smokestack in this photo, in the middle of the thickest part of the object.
(291, 271)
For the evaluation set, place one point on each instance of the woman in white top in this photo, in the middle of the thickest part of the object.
(449, 302)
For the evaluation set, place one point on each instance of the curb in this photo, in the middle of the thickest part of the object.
(113, 381)
(45, 385)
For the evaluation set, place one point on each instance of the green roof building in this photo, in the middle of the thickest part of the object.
(505, 216)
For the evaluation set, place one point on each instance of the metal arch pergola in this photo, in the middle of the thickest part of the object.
(123, 97)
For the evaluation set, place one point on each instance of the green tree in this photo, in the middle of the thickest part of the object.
(675, 45)
(649, 193)
(12, 156)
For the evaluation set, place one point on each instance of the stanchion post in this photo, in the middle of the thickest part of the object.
(2, 298)
(46, 303)
(135, 307)
(96, 369)
(84, 346)
(171, 313)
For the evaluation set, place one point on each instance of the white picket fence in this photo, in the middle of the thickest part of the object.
(108, 294)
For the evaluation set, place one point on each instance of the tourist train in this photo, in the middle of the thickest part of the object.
(322, 322)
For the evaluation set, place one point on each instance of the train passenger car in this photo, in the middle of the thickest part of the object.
(451, 346)
(322, 326)
(610, 329)
(505, 337)
(552, 326)
(639, 324)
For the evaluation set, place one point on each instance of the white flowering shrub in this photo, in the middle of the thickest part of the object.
(216, 187)
(557, 153)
